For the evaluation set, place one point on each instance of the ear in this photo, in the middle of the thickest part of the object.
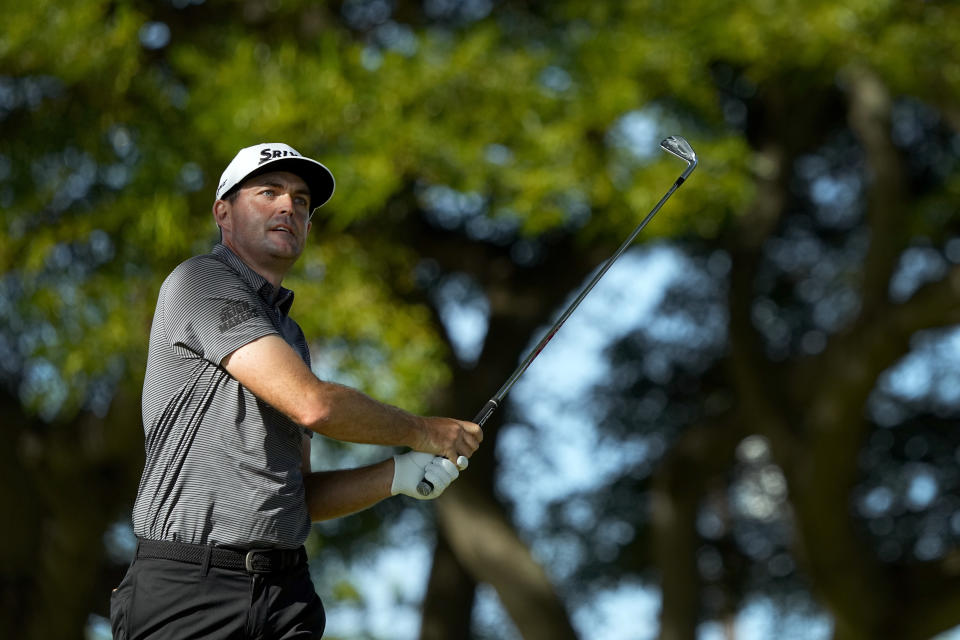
(221, 213)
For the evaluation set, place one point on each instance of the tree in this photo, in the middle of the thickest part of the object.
(853, 168)
(502, 149)
(91, 234)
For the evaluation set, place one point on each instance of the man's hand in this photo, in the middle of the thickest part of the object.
(450, 438)
(410, 468)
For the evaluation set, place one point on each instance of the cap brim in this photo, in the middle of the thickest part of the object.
(319, 179)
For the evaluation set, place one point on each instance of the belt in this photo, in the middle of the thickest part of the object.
(249, 560)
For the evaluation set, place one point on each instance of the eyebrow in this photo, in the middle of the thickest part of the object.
(272, 183)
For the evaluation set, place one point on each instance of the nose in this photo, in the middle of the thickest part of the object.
(285, 201)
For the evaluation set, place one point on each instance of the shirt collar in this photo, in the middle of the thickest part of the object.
(281, 298)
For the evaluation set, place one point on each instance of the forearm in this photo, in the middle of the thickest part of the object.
(273, 372)
(349, 415)
(333, 494)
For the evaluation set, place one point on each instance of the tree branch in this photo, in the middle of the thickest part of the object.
(869, 106)
(487, 545)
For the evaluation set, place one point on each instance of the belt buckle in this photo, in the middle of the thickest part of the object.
(248, 560)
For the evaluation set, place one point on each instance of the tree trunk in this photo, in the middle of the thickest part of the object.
(63, 483)
(450, 595)
(487, 545)
(679, 487)
(480, 544)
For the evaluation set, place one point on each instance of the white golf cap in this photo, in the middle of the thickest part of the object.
(276, 156)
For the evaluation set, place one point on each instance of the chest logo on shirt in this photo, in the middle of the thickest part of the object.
(235, 312)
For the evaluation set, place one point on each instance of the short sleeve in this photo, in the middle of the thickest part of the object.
(209, 311)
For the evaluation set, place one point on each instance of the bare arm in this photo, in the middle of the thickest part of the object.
(333, 494)
(273, 372)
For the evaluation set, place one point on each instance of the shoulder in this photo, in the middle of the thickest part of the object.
(198, 271)
(200, 265)
(198, 279)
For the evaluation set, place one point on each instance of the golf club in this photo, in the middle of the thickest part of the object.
(674, 145)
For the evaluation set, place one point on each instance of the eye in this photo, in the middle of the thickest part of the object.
(301, 201)
(267, 192)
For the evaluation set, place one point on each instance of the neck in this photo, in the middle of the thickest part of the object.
(272, 269)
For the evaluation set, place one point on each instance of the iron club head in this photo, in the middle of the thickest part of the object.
(678, 146)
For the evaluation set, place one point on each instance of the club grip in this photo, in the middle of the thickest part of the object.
(424, 487)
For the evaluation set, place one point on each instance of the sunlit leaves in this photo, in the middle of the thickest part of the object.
(71, 40)
(129, 138)
(363, 333)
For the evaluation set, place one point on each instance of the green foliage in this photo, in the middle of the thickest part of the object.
(365, 335)
(72, 42)
(544, 116)
(128, 141)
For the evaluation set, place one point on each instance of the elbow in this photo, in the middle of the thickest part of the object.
(312, 415)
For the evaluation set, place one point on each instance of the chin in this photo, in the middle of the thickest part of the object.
(286, 253)
(288, 246)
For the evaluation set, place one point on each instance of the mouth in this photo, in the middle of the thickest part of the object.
(283, 229)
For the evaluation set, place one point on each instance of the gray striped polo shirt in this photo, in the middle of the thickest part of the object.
(221, 466)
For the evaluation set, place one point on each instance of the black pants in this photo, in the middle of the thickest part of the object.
(171, 600)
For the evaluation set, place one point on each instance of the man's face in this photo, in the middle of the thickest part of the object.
(268, 220)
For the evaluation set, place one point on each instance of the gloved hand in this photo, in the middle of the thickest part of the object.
(411, 467)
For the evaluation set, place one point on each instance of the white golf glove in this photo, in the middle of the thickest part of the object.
(412, 467)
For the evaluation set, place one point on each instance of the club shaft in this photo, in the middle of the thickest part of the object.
(502, 392)
(425, 487)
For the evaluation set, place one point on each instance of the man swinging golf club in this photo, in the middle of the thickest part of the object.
(229, 406)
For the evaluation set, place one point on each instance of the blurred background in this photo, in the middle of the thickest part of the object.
(748, 431)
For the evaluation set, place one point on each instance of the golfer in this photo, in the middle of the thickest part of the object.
(229, 406)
